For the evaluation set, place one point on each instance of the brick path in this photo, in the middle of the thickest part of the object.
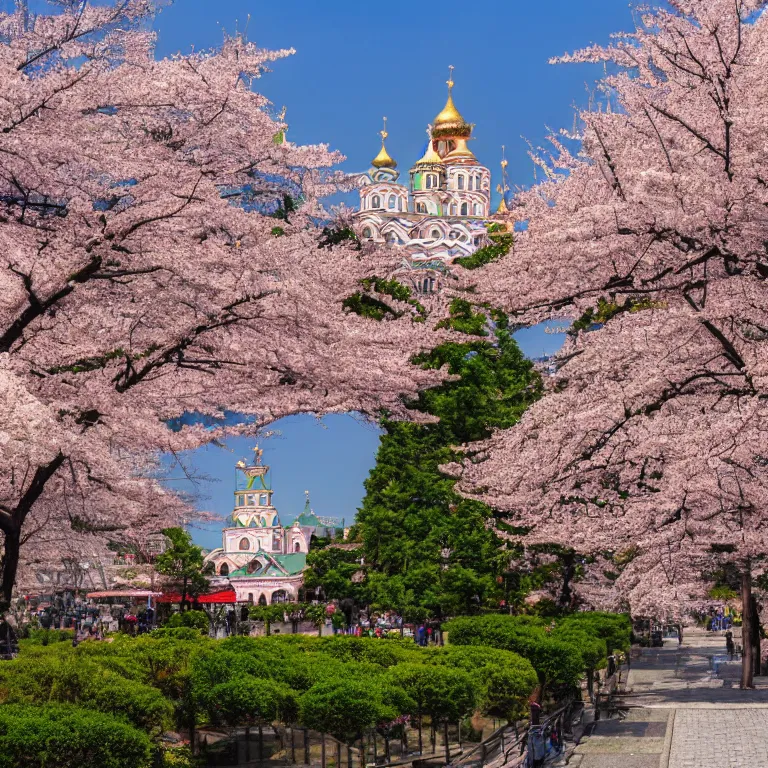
(720, 738)
(687, 711)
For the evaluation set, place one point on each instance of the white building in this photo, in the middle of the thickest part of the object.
(441, 214)
(259, 558)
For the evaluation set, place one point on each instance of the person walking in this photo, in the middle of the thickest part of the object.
(729, 645)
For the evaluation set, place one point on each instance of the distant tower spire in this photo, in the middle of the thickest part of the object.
(503, 188)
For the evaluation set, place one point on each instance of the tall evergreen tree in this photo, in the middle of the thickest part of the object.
(426, 549)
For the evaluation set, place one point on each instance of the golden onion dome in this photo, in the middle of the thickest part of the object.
(383, 160)
(430, 157)
(461, 153)
(450, 121)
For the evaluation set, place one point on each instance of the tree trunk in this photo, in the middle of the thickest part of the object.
(747, 668)
(447, 745)
(247, 744)
(421, 743)
(569, 571)
(10, 564)
(183, 594)
(322, 750)
(12, 524)
(591, 684)
(261, 744)
(755, 638)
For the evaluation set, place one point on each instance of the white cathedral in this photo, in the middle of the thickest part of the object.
(441, 214)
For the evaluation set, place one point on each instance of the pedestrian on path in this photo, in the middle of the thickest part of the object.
(729, 646)
(679, 635)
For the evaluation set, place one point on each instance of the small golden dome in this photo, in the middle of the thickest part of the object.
(430, 157)
(502, 206)
(450, 121)
(462, 152)
(383, 160)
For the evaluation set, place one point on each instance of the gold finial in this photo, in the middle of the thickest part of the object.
(257, 453)
(503, 188)
(383, 132)
(449, 82)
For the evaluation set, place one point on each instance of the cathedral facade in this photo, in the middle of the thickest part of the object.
(260, 559)
(441, 214)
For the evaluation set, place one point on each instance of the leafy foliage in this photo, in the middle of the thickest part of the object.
(411, 516)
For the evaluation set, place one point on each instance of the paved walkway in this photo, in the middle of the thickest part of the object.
(686, 711)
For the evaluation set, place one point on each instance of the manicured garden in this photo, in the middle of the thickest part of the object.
(107, 703)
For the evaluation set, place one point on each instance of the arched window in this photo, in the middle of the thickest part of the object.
(454, 209)
(224, 570)
(262, 599)
(263, 500)
(250, 598)
(399, 203)
(392, 202)
(425, 285)
(375, 202)
(435, 234)
(245, 543)
(460, 181)
(279, 596)
(297, 547)
(367, 232)
(477, 182)
(421, 208)
(465, 209)
(429, 181)
(478, 209)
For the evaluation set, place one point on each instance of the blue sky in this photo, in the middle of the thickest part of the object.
(356, 61)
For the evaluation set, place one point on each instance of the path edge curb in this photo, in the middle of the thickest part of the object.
(665, 755)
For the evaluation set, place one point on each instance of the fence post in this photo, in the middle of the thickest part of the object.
(447, 745)
(261, 744)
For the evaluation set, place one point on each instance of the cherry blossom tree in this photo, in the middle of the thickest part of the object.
(161, 253)
(654, 237)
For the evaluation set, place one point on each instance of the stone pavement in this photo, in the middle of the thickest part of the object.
(686, 710)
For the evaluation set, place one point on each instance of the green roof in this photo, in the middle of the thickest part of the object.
(309, 520)
(294, 563)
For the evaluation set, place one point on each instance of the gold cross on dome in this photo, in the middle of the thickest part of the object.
(384, 133)
(449, 81)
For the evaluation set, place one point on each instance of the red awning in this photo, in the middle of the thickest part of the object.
(128, 593)
(222, 596)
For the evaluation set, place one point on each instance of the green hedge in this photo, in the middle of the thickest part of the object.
(68, 737)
